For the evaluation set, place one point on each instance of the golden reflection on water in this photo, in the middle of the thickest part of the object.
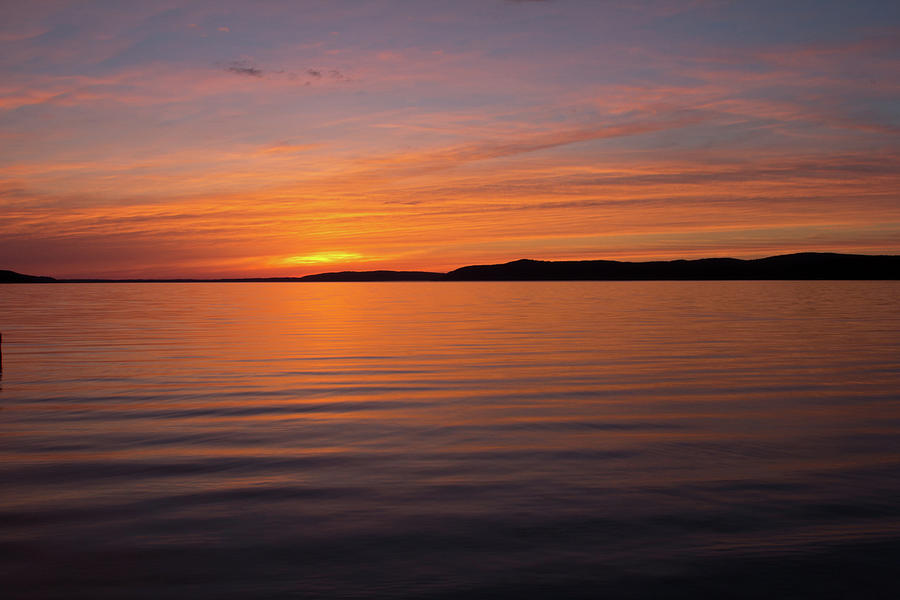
(659, 420)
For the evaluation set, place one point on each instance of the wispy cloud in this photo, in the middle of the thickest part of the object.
(305, 76)
(240, 67)
(285, 148)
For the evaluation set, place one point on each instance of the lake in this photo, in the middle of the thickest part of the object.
(443, 440)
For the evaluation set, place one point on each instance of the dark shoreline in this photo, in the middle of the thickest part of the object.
(801, 266)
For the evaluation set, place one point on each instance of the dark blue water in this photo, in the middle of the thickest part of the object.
(450, 440)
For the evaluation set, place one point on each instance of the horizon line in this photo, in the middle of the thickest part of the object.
(310, 277)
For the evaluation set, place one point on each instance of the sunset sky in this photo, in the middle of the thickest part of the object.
(264, 138)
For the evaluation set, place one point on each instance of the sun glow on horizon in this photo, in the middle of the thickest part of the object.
(323, 258)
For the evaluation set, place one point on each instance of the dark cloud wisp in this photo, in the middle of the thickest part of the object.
(310, 75)
(243, 68)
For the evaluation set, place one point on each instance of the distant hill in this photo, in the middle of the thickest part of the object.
(807, 265)
(375, 276)
(13, 277)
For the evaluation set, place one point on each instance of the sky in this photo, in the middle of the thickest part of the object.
(276, 138)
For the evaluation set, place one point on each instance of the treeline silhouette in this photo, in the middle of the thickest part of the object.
(805, 265)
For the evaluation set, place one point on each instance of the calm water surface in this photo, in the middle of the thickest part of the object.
(450, 440)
